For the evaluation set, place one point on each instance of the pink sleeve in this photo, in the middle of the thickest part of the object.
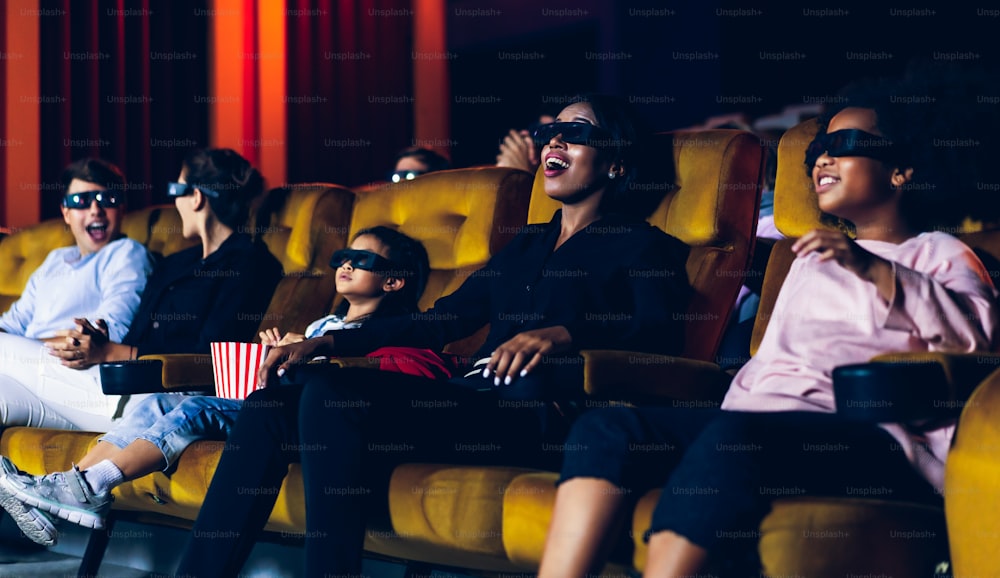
(951, 307)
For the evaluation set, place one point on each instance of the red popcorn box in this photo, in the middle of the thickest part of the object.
(235, 366)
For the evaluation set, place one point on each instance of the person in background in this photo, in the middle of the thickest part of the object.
(518, 150)
(415, 161)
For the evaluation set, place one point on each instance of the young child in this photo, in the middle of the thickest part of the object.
(383, 273)
(877, 163)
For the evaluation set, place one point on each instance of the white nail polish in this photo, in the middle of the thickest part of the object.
(496, 381)
(507, 380)
(281, 372)
(524, 372)
(486, 372)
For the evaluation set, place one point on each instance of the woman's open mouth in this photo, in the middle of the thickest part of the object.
(555, 165)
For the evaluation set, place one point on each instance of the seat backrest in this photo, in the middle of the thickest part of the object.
(711, 200)
(462, 216)
(161, 232)
(302, 226)
(796, 212)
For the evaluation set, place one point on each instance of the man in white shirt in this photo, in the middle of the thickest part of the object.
(100, 278)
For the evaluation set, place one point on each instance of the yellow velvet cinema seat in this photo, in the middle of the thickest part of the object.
(972, 484)
(493, 519)
(839, 537)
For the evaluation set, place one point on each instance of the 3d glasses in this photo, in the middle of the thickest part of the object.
(105, 199)
(581, 133)
(403, 176)
(358, 259)
(181, 189)
(850, 143)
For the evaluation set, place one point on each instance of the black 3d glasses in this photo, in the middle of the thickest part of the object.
(358, 259)
(105, 199)
(850, 143)
(181, 189)
(398, 176)
(581, 133)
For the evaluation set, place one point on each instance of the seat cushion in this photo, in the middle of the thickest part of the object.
(527, 512)
(453, 506)
(819, 537)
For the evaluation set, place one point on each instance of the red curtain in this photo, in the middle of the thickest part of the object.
(126, 81)
(350, 89)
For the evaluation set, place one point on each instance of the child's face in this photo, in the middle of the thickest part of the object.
(354, 282)
(853, 187)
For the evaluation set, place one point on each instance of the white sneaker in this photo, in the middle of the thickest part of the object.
(34, 523)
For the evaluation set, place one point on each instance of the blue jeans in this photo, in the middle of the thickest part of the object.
(173, 421)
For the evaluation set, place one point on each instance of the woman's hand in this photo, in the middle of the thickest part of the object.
(81, 347)
(836, 246)
(521, 353)
(280, 358)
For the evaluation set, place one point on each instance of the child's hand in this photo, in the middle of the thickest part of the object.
(271, 337)
(290, 338)
(849, 255)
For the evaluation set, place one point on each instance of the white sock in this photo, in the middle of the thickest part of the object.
(103, 477)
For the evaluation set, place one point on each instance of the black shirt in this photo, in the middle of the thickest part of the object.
(619, 283)
(190, 302)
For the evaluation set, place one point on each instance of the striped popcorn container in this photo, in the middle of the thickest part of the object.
(235, 366)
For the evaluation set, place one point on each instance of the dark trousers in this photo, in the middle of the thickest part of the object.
(349, 428)
(720, 471)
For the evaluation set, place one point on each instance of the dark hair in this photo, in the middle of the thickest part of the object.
(409, 261)
(230, 175)
(625, 147)
(433, 160)
(93, 170)
(944, 130)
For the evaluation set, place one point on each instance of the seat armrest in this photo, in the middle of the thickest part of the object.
(653, 378)
(904, 387)
(159, 374)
